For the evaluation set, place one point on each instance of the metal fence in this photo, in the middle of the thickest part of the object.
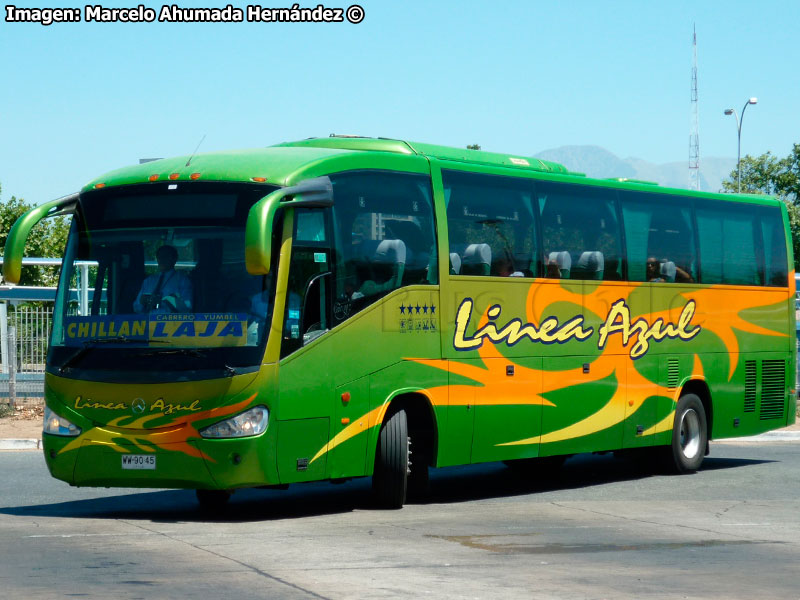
(24, 339)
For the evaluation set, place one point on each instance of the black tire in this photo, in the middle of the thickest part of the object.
(213, 501)
(689, 437)
(390, 478)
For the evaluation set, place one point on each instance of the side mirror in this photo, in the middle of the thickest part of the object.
(15, 243)
(312, 193)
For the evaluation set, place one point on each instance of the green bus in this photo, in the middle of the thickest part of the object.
(345, 307)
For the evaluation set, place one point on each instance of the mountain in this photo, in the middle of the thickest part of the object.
(600, 163)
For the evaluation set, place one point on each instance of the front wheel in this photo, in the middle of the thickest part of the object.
(689, 436)
(390, 478)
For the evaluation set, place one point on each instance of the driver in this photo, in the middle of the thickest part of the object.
(168, 290)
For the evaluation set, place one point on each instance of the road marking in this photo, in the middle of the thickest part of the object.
(71, 535)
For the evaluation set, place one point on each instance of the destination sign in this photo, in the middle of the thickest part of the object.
(189, 329)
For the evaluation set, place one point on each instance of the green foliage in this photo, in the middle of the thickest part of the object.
(47, 240)
(473, 146)
(780, 177)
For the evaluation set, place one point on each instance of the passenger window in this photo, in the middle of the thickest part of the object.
(491, 225)
(660, 238)
(385, 236)
(774, 240)
(731, 244)
(580, 232)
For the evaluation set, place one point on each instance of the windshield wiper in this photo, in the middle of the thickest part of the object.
(193, 352)
(182, 351)
(92, 343)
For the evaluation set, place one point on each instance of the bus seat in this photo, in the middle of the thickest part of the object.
(668, 271)
(387, 266)
(455, 263)
(417, 250)
(590, 265)
(477, 260)
(564, 262)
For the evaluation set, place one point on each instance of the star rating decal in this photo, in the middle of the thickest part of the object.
(418, 317)
(425, 309)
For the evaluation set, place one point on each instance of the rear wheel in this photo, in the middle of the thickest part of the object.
(390, 478)
(689, 436)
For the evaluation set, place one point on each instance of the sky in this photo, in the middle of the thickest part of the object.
(519, 77)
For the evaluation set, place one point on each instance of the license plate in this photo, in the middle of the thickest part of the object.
(139, 461)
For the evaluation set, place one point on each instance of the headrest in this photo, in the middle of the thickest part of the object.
(591, 261)
(477, 254)
(391, 252)
(562, 259)
(455, 262)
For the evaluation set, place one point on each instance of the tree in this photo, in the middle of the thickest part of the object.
(47, 240)
(473, 146)
(779, 177)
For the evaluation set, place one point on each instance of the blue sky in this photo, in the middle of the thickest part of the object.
(519, 77)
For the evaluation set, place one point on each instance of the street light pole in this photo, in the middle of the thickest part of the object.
(739, 121)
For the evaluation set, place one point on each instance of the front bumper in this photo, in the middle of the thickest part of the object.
(93, 461)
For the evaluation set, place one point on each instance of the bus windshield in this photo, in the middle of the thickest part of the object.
(154, 282)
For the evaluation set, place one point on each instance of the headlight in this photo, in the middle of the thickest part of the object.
(55, 425)
(250, 422)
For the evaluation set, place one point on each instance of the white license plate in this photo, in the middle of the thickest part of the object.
(139, 461)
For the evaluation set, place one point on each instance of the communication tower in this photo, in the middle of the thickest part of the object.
(694, 131)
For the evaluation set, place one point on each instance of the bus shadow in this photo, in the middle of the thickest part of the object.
(495, 480)
(174, 506)
(447, 485)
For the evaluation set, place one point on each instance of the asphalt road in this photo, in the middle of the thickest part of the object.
(606, 529)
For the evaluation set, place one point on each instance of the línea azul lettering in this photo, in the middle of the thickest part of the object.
(549, 331)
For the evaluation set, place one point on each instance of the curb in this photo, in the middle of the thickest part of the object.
(21, 444)
(770, 436)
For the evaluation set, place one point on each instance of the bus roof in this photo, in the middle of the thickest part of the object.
(289, 162)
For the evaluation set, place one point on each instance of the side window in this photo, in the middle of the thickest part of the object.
(774, 240)
(660, 238)
(384, 237)
(741, 244)
(580, 232)
(728, 244)
(491, 225)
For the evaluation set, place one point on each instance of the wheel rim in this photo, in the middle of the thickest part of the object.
(690, 433)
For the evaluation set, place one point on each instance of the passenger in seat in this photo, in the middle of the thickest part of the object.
(653, 270)
(504, 267)
(551, 269)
